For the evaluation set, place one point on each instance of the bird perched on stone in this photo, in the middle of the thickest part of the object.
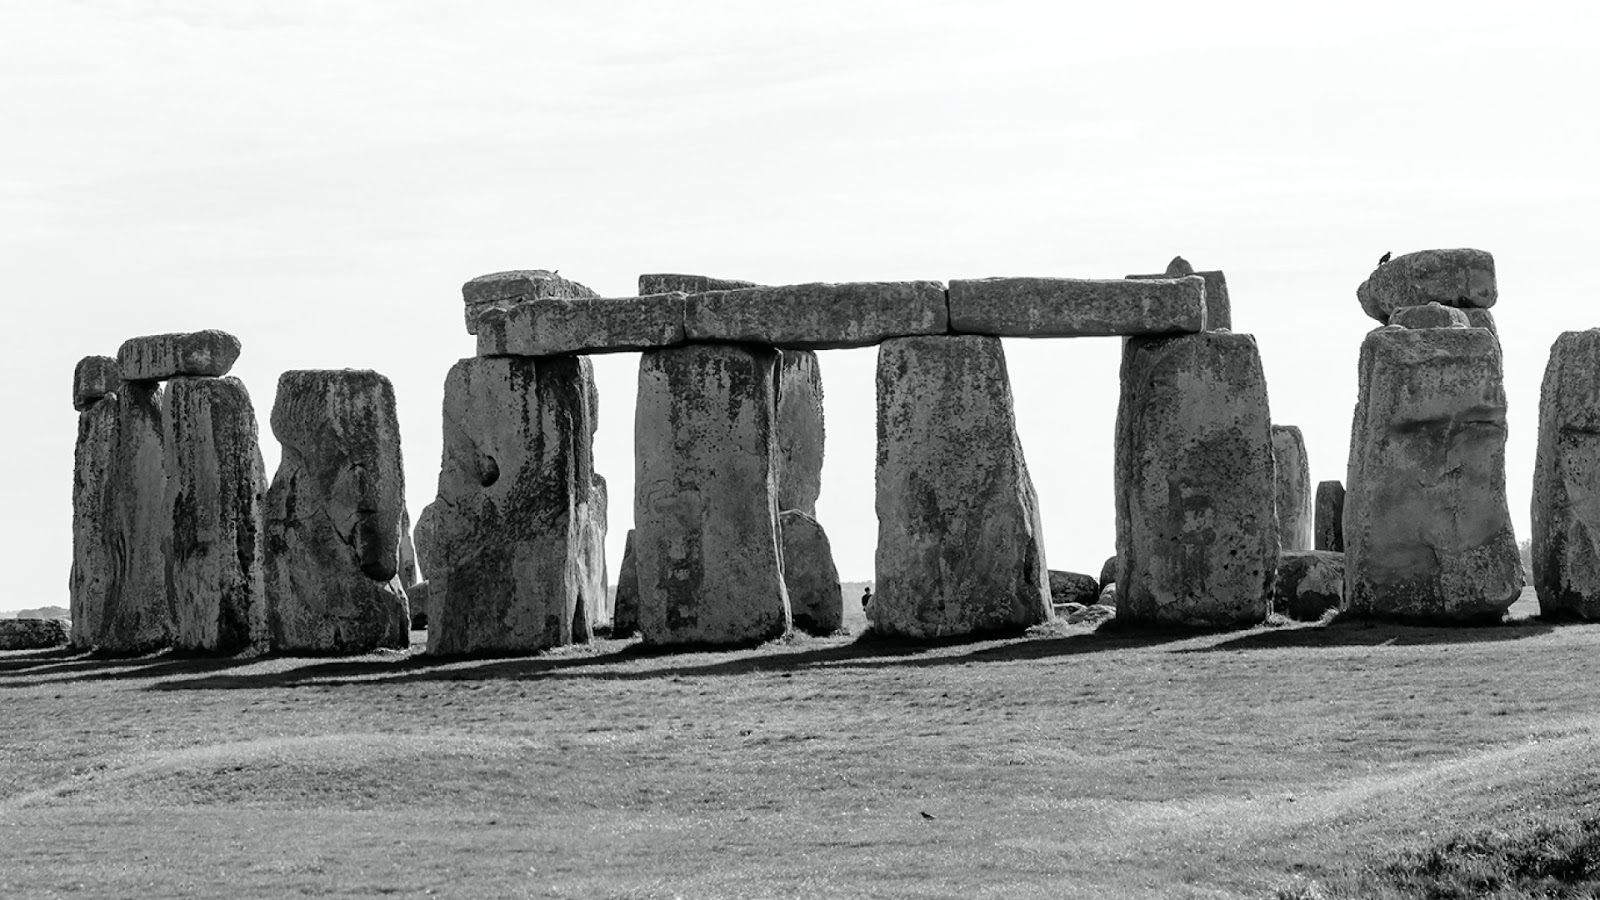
(1384, 258)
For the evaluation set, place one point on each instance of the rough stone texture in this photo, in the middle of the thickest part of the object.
(1461, 278)
(419, 602)
(32, 634)
(90, 582)
(815, 595)
(408, 551)
(960, 548)
(1073, 587)
(333, 515)
(1108, 572)
(1426, 531)
(1219, 309)
(93, 378)
(1296, 515)
(1197, 537)
(216, 487)
(625, 609)
(1482, 318)
(1330, 516)
(705, 503)
(553, 326)
(1069, 307)
(801, 433)
(1432, 315)
(1108, 595)
(500, 290)
(1309, 584)
(1084, 613)
(158, 357)
(425, 541)
(517, 472)
(818, 316)
(1566, 480)
(138, 615)
(689, 284)
(595, 599)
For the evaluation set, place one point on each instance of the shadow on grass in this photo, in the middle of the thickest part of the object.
(64, 666)
(1376, 633)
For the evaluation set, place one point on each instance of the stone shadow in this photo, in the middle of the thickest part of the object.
(1376, 633)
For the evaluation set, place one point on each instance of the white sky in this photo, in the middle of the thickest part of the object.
(319, 178)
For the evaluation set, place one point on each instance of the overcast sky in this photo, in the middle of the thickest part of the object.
(320, 177)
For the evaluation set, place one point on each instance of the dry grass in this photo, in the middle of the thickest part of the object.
(1067, 764)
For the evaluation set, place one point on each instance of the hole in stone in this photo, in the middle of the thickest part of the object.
(488, 471)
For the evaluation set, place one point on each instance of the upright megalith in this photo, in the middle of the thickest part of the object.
(1426, 529)
(1197, 537)
(136, 613)
(705, 496)
(425, 541)
(1330, 516)
(510, 514)
(625, 611)
(595, 598)
(216, 487)
(93, 378)
(91, 580)
(815, 595)
(960, 548)
(801, 435)
(503, 290)
(1462, 278)
(1293, 479)
(1566, 480)
(409, 573)
(333, 515)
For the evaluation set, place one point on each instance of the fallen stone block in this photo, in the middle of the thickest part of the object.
(1309, 584)
(555, 326)
(500, 290)
(1075, 307)
(1073, 587)
(1460, 278)
(818, 316)
(158, 357)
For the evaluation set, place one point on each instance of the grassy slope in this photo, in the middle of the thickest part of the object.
(1071, 763)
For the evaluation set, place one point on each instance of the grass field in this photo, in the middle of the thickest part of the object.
(1070, 763)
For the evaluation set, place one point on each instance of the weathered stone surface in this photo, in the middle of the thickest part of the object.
(419, 603)
(1461, 278)
(517, 473)
(333, 515)
(1108, 595)
(1219, 309)
(1292, 469)
(1426, 530)
(93, 378)
(1566, 480)
(500, 290)
(138, 614)
(818, 316)
(216, 487)
(594, 598)
(1431, 315)
(1073, 587)
(1069, 307)
(960, 548)
(1108, 572)
(91, 579)
(689, 284)
(158, 357)
(801, 432)
(32, 634)
(1197, 537)
(625, 609)
(705, 502)
(425, 541)
(1330, 516)
(1084, 613)
(1309, 584)
(408, 551)
(815, 595)
(1482, 318)
(554, 326)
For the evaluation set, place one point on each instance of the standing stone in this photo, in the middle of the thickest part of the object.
(425, 541)
(517, 472)
(333, 515)
(1426, 529)
(1566, 480)
(92, 379)
(1296, 516)
(138, 615)
(595, 598)
(625, 611)
(1330, 516)
(815, 595)
(705, 501)
(960, 547)
(1462, 278)
(92, 578)
(1197, 537)
(409, 575)
(800, 431)
(1108, 572)
(1309, 584)
(216, 485)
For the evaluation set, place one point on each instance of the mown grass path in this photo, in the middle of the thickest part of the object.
(1066, 764)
